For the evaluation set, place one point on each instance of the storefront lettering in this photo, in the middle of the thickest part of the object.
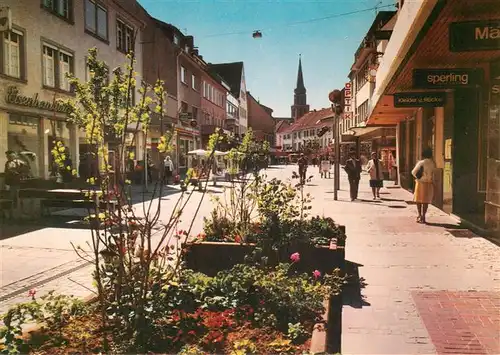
(475, 35)
(419, 99)
(487, 32)
(495, 89)
(447, 78)
(13, 97)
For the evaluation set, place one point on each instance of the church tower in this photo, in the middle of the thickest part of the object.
(300, 106)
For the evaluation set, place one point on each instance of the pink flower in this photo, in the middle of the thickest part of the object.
(32, 293)
(295, 257)
(237, 239)
(316, 274)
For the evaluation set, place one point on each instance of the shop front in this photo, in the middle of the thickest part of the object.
(441, 96)
(29, 126)
(187, 140)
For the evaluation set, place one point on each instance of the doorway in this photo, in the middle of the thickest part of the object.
(466, 199)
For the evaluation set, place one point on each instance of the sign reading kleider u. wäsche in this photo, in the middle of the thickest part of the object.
(446, 78)
(474, 35)
(420, 99)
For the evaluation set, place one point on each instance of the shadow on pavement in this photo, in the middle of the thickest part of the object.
(351, 295)
(11, 229)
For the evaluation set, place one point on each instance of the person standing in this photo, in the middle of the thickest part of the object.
(13, 170)
(374, 168)
(168, 165)
(302, 162)
(423, 172)
(353, 169)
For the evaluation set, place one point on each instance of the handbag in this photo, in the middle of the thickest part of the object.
(420, 172)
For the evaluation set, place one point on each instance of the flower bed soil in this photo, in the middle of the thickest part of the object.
(84, 336)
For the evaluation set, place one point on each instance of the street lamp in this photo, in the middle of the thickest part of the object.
(336, 99)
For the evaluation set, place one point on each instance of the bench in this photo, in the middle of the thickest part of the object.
(47, 204)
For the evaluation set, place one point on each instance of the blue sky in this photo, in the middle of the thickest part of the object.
(327, 46)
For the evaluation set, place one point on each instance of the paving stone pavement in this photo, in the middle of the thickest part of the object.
(396, 258)
(400, 264)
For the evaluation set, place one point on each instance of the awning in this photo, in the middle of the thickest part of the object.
(421, 40)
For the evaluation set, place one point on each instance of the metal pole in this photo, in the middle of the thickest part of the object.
(337, 151)
(335, 171)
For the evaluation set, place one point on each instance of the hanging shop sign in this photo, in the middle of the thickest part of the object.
(474, 36)
(14, 97)
(419, 99)
(447, 78)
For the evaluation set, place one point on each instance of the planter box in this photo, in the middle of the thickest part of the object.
(212, 257)
(326, 336)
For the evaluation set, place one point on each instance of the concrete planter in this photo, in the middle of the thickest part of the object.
(212, 257)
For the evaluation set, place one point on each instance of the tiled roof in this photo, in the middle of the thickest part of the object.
(282, 125)
(231, 73)
(310, 120)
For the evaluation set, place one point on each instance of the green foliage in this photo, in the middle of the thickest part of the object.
(243, 347)
(51, 310)
(297, 333)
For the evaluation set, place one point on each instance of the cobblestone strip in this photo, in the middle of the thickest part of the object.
(13, 289)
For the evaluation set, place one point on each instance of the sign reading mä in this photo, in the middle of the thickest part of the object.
(419, 99)
(474, 36)
(446, 78)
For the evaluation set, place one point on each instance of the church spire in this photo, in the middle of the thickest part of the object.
(300, 89)
(300, 106)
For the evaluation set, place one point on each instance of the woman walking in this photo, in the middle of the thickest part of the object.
(423, 172)
(374, 168)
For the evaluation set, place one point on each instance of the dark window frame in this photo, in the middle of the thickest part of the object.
(127, 26)
(23, 77)
(52, 10)
(57, 72)
(97, 4)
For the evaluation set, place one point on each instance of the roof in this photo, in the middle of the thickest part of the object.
(310, 120)
(282, 125)
(231, 73)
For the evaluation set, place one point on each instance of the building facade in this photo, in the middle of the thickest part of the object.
(49, 39)
(234, 75)
(190, 73)
(359, 91)
(213, 105)
(260, 119)
(438, 85)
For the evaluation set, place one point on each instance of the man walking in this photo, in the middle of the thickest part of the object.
(302, 162)
(353, 169)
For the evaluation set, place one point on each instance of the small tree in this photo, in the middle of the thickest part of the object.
(133, 250)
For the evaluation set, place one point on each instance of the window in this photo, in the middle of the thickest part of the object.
(193, 82)
(56, 64)
(13, 49)
(124, 37)
(61, 8)
(96, 19)
(183, 75)
(362, 77)
(184, 107)
(362, 111)
(176, 40)
(205, 89)
(195, 113)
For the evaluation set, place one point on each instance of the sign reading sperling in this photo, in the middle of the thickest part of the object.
(446, 78)
(474, 35)
(420, 99)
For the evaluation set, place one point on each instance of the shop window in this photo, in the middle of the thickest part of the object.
(23, 138)
(124, 37)
(58, 132)
(96, 19)
(12, 48)
(61, 8)
(56, 64)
